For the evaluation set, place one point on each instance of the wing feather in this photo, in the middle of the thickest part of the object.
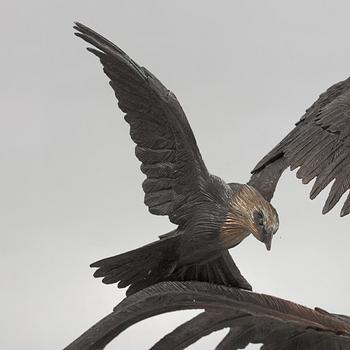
(328, 174)
(339, 187)
(165, 144)
(318, 156)
(319, 146)
(346, 207)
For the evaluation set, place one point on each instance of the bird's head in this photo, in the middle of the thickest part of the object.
(255, 214)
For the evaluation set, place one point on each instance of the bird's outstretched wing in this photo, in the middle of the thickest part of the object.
(319, 145)
(165, 143)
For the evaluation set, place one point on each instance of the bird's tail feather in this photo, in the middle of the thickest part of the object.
(220, 270)
(141, 267)
(160, 261)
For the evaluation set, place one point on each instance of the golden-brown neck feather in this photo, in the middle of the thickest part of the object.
(239, 222)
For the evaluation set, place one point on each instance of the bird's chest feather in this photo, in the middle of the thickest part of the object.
(232, 233)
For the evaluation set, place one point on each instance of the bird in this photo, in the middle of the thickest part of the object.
(211, 215)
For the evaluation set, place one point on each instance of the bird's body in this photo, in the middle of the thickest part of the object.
(211, 216)
(197, 251)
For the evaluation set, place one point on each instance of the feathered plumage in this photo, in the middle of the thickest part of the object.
(177, 184)
(211, 215)
(319, 146)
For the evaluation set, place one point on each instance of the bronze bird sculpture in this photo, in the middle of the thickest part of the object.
(211, 215)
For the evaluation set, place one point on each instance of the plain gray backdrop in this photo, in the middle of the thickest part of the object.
(244, 72)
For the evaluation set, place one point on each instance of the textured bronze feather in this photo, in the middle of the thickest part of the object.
(319, 144)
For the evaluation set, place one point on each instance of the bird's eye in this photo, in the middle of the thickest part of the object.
(259, 218)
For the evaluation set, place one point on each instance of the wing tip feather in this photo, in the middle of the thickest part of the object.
(344, 212)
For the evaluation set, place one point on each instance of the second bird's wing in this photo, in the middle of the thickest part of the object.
(165, 143)
(319, 145)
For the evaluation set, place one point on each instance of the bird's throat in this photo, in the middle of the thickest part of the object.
(230, 236)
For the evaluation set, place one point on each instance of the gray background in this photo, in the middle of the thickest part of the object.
(244, 72)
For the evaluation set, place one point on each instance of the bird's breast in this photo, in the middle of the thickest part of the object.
(231, 236)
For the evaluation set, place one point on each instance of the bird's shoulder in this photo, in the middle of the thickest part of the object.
(235, 187)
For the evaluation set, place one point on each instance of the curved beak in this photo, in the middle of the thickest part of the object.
(268, 239)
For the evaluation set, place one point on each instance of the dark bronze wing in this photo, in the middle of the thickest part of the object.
(319, 146)
(165, 143)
